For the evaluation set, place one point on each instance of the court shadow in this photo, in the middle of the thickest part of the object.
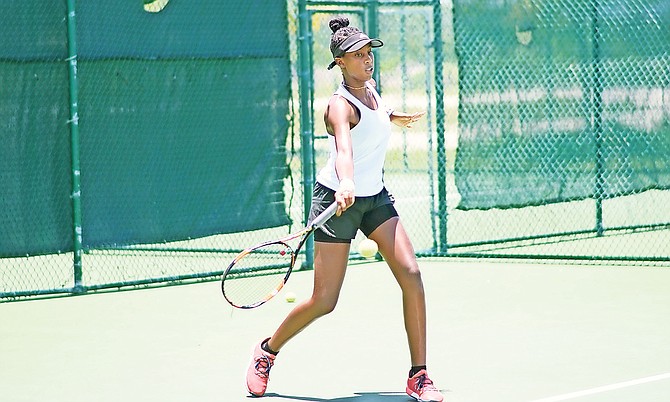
(357, 397)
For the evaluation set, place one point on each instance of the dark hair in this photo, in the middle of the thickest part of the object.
(346, 38)
(341, 31)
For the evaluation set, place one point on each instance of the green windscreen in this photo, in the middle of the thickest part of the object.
(35, 206)
(182, 122)
(561, 100)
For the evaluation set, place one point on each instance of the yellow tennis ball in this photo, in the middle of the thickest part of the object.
(290, 297)
(367, 248)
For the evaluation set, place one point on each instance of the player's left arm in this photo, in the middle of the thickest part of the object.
(401, 119)
(405, 120)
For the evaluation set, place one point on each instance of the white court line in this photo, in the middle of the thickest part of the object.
(604, 388)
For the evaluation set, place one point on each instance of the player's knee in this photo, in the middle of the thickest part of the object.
(413, 270)
(328, 307)
(324, 306)
(412, 280)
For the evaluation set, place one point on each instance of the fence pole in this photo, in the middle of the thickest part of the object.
(306, 122)
(74, 141)
(597, 118)
(439, 126)
(372, 28)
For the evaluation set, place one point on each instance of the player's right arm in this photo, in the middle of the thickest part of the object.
(338, 119)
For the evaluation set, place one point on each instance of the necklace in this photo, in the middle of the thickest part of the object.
(353, 88)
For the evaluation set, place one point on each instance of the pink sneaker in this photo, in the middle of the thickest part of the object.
(258, 373)
(421, 388)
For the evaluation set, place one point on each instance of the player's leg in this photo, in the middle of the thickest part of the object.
(331, 255)
(396, 248)
(398, 252)
(330, 263)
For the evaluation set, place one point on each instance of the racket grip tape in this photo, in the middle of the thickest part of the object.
(325, 215)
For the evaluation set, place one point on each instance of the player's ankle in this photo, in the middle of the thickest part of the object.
(265, 345)
(416, 369)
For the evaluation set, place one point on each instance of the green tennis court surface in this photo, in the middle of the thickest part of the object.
(497, 331)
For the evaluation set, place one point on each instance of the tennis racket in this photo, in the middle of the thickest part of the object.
(259, 272)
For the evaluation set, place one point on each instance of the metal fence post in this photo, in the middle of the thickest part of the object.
(597, 112)
(74, 139)
(371, 14)
(306, 121)
(439, 127)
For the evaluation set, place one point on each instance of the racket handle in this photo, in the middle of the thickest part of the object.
(325, 215)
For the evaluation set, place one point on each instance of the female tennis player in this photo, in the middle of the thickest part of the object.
(359, 126)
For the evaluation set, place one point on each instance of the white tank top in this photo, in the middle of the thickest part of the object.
(369, 140)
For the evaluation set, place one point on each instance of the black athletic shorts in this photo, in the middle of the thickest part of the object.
(366, 214)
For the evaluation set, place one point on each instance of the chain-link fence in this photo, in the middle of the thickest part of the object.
(563, 129)
(139, 147)
(200, 131)
(415, 71)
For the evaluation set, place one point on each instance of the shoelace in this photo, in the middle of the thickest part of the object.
(425, 383)
(263, 366)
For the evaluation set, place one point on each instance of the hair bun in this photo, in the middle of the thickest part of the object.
(337, 23)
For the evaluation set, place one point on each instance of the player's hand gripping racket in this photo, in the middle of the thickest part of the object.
(258, 273)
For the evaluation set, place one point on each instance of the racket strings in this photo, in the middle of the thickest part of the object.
(258, 275)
